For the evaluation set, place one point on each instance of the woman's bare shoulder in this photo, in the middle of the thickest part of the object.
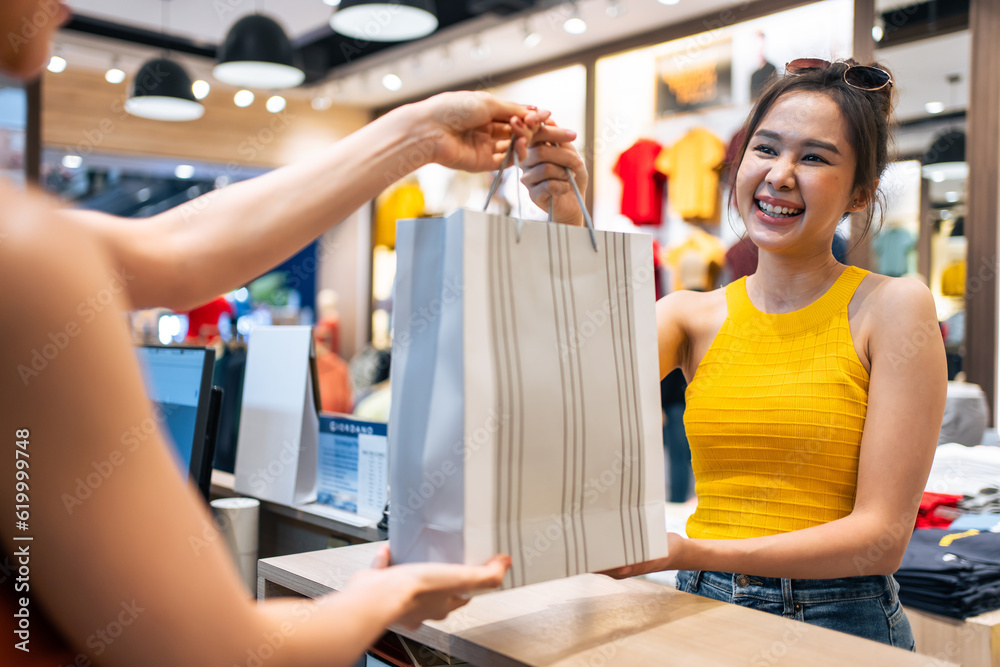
(42, 256)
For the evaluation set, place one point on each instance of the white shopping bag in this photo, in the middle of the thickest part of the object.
(276, 454)
(525, 397)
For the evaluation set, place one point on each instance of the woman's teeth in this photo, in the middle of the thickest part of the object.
(778, 211)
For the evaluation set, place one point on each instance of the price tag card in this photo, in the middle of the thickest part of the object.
(353, 465)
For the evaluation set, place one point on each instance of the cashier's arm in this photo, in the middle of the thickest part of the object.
(906, 396)
(118, 537)
(217, 242)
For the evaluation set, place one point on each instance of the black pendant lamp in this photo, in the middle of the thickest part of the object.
(161, 90)
(258, 54)
(945, 159)
(395, 21)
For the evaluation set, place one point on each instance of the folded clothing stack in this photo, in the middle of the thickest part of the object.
(950, 572)
(937, 510)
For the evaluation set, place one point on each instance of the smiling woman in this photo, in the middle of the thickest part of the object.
(811, 438)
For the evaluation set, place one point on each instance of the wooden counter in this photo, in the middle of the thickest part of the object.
(592, 621)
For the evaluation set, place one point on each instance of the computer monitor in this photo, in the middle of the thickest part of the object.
(179, 383)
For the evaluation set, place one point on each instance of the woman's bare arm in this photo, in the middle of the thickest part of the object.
(906, 396)
(210, 245)
(118, 534)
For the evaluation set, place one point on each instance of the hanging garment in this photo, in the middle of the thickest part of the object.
(642, 185)
(692, 165)
(697, 261)
(404, 201)
(953, 280)
(892, 247)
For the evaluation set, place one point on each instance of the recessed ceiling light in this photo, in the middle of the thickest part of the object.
(114, 75)
(575, 25)
(615, 9)
(243, 98)
(479, 51)
(184, 171)
(276, 104)
(57, 64)
(392, 82)
(934, 107)
(201, 89)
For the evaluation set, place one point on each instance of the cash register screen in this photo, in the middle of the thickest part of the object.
(178, 381)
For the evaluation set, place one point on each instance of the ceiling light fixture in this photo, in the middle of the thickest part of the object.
(615, 9)
(575, 25)
(479, 51)
(532, 38)
(115, 74)
(257, 53)
(57, 64)
(395, 21)
(201, 89)
(276, 104)
(945, 158)
(243, 99)
(392, 82)
(161, 90)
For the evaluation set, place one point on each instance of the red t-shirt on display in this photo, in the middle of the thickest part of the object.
(642, 185)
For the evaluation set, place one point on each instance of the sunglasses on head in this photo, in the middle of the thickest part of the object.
(856, 76)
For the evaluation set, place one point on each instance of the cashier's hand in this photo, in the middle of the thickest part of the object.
(469, 130)
(549, 152)
(675, 543)
(427, 591)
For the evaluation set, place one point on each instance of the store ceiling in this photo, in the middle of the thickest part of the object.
(445, 59)
(434, 63)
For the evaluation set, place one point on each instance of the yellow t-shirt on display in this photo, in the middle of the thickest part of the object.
(692, 165)
(953, 280)
(404, 201)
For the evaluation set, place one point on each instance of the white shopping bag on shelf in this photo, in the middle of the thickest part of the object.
(525, 397)
(276, 454)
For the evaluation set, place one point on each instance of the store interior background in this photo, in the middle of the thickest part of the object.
(602, 82)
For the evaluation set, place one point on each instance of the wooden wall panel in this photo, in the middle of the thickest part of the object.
(983, 218)
(83, 112)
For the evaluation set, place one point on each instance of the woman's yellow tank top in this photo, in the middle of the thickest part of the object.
(774, 416)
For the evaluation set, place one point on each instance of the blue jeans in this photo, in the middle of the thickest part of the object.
(868, 607)
(678, 451)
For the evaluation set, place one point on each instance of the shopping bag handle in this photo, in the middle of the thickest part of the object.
(510, 156)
